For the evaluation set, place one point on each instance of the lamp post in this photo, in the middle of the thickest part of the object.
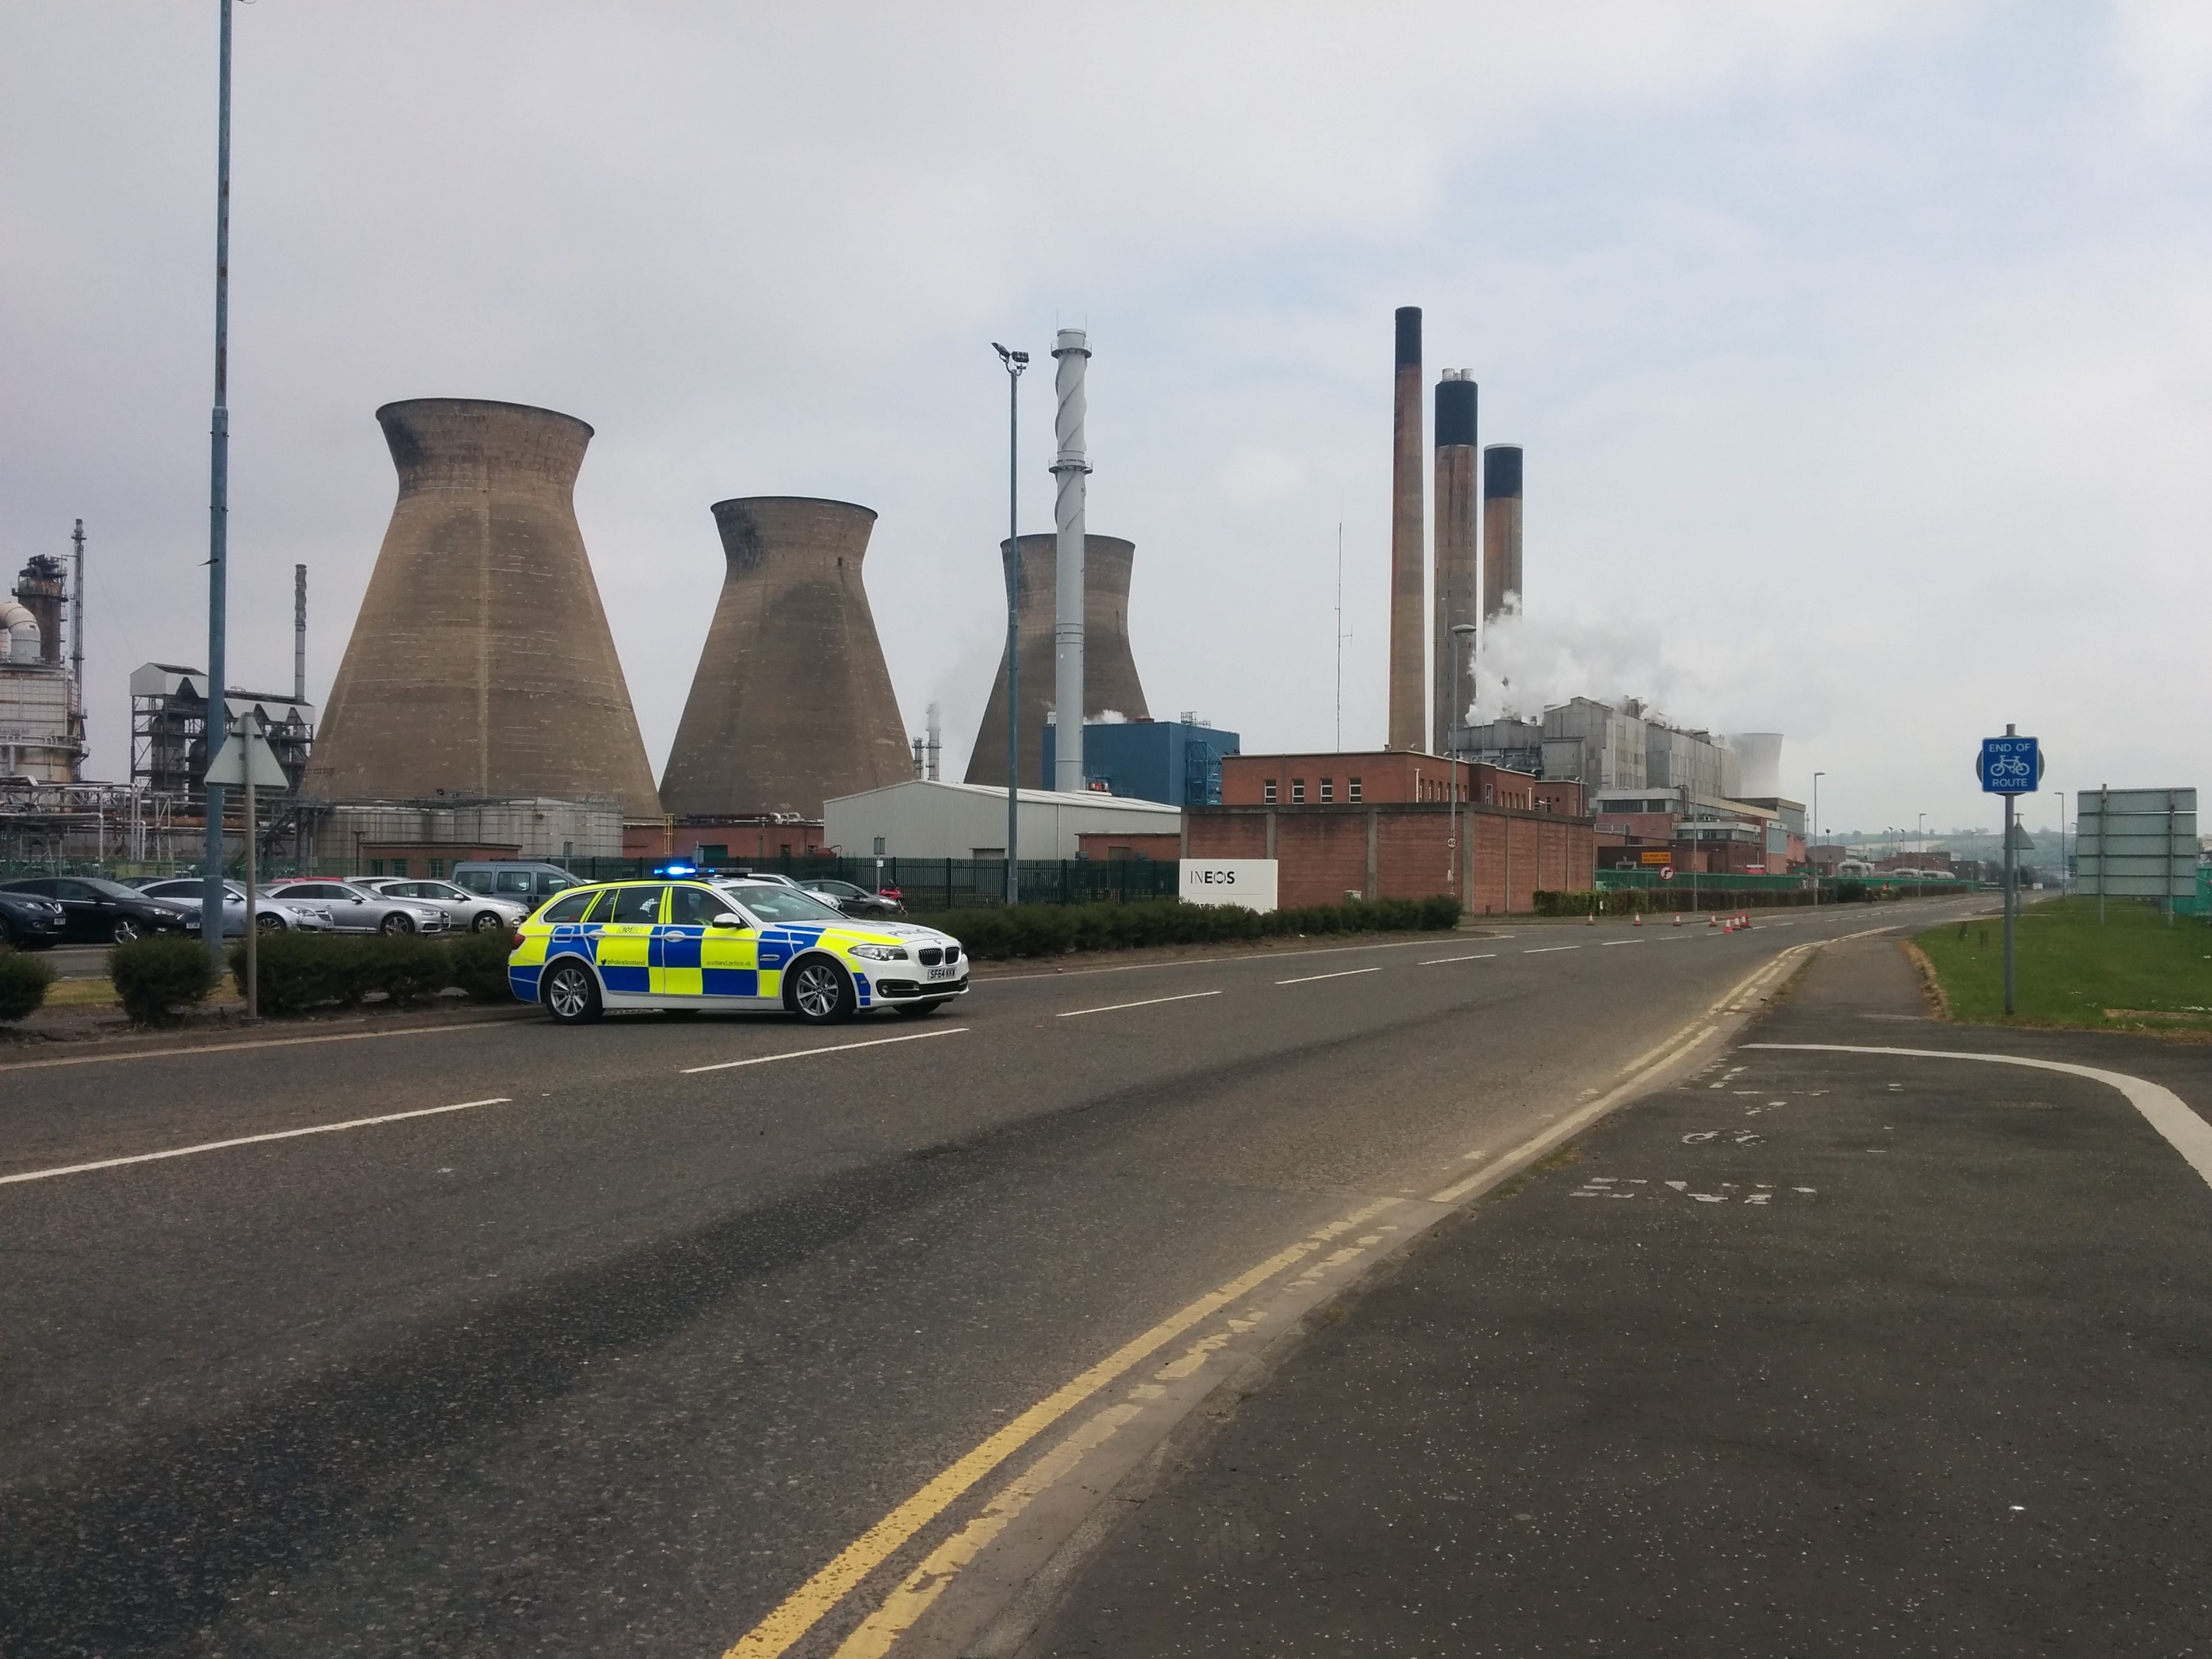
(1815, 827)
(217, 727)
(1015, 362)
(1461, 634)
(2060, 793)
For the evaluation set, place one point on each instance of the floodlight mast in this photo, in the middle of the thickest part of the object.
(1015, 362)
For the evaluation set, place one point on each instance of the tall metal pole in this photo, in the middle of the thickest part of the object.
(1461, 634)
(2009, 901)
(1016, 361)
(217, 724)
(1071, 471)
(1817, 776)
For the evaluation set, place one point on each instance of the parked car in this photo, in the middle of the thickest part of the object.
(479, 912)
(95, 910)
(519, 879)
(852, 900)
(31, 923)
(357, 909)
(272, 917)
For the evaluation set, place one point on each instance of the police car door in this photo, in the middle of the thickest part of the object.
(625, 942)
(711, 948)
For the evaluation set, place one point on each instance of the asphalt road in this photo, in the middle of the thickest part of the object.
(612, 1363)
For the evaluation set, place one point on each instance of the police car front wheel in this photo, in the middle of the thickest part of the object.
(821, 992)
(571, 995)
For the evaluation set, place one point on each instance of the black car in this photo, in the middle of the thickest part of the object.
(30, 923)
(855, 900)
(103, 912)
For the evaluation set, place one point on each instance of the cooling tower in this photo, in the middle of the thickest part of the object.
(792, 703)
(1458, 598)
(1109, 673)
(1409, 690)
(1501, 529)
(480, 662)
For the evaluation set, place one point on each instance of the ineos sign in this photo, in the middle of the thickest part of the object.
(1248, 881)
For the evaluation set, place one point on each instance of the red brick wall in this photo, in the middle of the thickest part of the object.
(1105, 845)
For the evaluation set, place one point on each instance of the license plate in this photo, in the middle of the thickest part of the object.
(940, 973)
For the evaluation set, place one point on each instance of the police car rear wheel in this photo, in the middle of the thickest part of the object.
(572, 995)
(821, 993)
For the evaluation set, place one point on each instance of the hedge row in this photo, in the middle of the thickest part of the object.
(1658, 901)
(1043, 930)
(155, 977)
(300, 971)
(23, 982)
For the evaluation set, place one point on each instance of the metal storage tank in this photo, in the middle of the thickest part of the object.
(480, 662)
(1109, 673)
(792, 702)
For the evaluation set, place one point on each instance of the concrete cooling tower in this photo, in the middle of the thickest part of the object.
(1109, 673)
(792, 703)
(480, 662)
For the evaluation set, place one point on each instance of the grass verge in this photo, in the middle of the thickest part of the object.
(2130, 973)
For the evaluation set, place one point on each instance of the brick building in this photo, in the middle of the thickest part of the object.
(1379, 825)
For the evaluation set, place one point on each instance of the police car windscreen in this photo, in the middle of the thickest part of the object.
(784, 904)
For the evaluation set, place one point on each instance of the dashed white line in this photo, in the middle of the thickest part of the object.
(1149, 1002)
(1538, 949)
(834, 1048)
(1622, 941)
(249, 1140)
(1487, 955)
(1346, 974)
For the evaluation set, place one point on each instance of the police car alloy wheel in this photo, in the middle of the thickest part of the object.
(571, 995)
(820, 992)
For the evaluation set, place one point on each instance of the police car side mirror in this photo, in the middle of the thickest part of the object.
(726, 919)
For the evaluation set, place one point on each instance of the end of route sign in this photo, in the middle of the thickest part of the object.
(2009, 766)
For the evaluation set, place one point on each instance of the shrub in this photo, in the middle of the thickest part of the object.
(23, 982)
(302, 970)
(404, 967)
(479, 965)
(153, 976)
(1032, 930)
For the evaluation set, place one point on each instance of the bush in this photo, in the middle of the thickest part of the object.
(153, 976)
(23, 982)
(1036, 930)
(479, 965)
(301, 971)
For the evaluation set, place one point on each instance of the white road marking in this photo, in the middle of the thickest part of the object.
(1149, 1002)
(2163, 1109)
(259, 1042)
(834, 1048)
(1540, 950)
(1615, 941)
(250, 1141)
(1346, 974)
(1487, 955)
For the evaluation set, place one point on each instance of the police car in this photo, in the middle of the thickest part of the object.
(695, 942)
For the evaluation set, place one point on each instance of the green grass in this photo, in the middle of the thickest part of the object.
(2132, 973)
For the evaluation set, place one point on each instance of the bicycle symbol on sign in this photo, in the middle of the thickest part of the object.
(2008, 766)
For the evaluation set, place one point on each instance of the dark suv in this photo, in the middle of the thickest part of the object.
(99, 911)
(29, 922)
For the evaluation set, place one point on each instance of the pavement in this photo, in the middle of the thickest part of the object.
(679, 1335)
(1810, 1353)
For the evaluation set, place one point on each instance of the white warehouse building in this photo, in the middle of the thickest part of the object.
(924, 818)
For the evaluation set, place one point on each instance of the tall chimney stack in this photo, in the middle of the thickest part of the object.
(1071, 472)
(1458, 596)
(299, 633)
(1501, 529)
(1409, 691)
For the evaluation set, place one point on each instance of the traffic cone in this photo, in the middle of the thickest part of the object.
(1678, 918)
(1590, 919)
(1713, 921)
(1639, 918)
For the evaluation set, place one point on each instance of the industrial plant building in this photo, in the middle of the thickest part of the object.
(1176, 762)
(1382, 824)
(922, 819)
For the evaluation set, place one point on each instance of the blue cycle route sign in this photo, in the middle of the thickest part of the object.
(2009, 766)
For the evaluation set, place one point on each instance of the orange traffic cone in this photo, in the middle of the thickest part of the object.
(1639, 918)
(1713, 921)
(1590, 919)
(1678, 918)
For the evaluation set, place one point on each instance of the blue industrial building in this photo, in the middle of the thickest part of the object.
(1178, 762)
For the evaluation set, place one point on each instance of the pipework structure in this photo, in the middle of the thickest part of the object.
(1458, 598)
(1501, 530)
(1071, 472)
(480, 662)
(792, 702)
(1110, 683)
(1409, 688)
(299, 633)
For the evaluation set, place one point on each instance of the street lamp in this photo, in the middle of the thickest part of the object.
(217, 727)
(1463, 634)
(1815, 826)
(1015, 362)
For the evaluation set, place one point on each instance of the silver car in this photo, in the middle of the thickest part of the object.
(357, 909)
(273, 917)
(481, 913)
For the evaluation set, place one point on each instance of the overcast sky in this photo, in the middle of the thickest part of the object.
(1860, 350)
